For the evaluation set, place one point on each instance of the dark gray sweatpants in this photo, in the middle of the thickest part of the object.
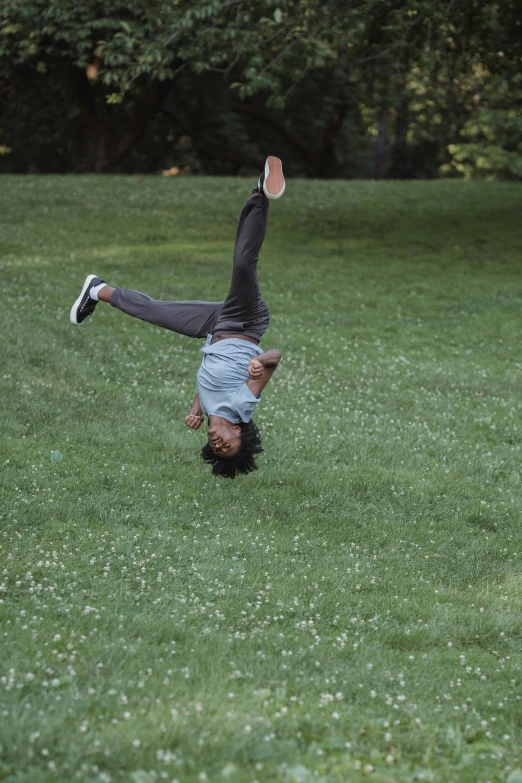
(244, 311)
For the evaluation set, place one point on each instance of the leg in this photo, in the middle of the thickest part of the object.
(244, 309)
(192, 318)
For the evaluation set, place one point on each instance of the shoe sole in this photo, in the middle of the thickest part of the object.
(274, 184)
(76, 305)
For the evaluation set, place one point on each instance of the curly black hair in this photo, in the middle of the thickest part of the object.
(243, 461)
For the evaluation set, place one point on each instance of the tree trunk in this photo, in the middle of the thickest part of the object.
(93, 124)
(93, 110)
(400, 155)
(382, 145)
(155, 94)
(326, 167)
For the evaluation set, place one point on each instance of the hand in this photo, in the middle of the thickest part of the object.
(194, 422)
(255, 369)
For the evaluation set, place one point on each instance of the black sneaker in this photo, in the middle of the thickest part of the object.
(272, 181)
(84, 305)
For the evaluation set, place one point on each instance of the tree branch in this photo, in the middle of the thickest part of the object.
(154, 97)
(261, 115)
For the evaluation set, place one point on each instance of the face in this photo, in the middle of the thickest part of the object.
(224, 439)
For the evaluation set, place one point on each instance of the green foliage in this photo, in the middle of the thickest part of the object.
(132, 40)
(493, 143)
(420, 76)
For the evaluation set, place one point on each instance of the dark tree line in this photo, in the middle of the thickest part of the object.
(369, 88)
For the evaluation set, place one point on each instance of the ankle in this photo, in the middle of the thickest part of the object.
(104, 293)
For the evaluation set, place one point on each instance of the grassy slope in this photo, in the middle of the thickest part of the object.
(351, 610)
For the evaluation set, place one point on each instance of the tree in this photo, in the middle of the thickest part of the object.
(367, 88)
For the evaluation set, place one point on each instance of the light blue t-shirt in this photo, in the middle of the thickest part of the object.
(222, 379)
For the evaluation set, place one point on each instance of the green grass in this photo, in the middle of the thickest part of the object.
(350, 612)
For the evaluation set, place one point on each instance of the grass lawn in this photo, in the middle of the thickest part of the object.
(350, 612)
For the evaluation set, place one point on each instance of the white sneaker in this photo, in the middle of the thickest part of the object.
(272, 181)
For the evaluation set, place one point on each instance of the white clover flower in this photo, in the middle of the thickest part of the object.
(326, 698)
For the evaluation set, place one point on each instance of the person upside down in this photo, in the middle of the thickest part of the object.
(234, 370)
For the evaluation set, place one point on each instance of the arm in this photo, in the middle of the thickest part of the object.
(195, 417)
(261, 369)
(269, 358)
